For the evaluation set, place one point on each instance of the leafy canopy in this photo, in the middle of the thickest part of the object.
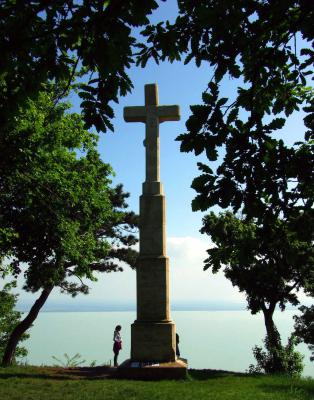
(267, 47)
(56, 200)
(270, 264)
(57, 39)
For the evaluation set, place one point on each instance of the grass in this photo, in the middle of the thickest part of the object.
(43, 383)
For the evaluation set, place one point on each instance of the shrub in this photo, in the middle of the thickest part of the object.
(280, 359)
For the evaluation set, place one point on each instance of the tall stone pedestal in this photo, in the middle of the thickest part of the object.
(153, 335)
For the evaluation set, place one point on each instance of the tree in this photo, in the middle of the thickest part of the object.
(267, 48)
(268, 263)
(44, 40)
(9, 318)
(64, 218)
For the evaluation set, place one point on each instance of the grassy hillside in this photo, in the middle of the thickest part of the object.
(32, 383)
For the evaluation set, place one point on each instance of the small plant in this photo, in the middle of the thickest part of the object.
(279, 359)
(69, 362)
(106, 364)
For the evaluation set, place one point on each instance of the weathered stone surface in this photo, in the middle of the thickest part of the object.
(152, 115)
(153, 289)
(152, 225)
(153, 341)
(152, 188)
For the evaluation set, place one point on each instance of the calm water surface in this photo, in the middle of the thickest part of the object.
(208, 339)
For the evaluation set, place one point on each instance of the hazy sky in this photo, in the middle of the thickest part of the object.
(183, 85)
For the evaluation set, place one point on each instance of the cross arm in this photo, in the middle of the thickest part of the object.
(134, 114)
(168, 113)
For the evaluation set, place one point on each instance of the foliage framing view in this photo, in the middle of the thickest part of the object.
(44, 40)
(267, 46)
(63, 219)
(255, 41)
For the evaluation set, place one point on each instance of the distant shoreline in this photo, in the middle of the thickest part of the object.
(123, 308)
(85, 309)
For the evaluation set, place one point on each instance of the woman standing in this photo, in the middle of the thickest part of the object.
(117, 344)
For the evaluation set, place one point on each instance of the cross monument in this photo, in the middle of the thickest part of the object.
(153, 332)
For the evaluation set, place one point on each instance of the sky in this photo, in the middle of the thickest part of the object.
(190, 287)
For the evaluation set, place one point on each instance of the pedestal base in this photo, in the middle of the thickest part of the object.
(152, 371)
(153, 341)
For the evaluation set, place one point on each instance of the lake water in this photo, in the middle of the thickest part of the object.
(208, 339)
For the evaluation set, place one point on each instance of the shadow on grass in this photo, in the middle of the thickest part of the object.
(104, 372)
(58, 373)
(205, 374)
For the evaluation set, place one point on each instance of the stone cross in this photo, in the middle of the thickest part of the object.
(153, 332)
(152, 115)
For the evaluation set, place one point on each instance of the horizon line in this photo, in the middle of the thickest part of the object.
(132, 307)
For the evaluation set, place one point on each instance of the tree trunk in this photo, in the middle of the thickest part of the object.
(22, 327)
(273, 342)
(272, 332)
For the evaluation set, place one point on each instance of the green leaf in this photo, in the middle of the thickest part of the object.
(233, 114)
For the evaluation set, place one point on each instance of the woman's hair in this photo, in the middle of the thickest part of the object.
(118, 328)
